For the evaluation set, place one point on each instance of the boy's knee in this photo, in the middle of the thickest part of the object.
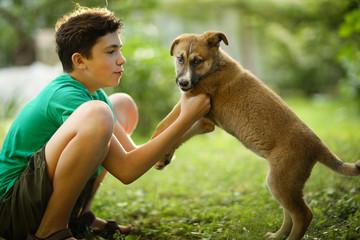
(125, 110)
(123, 100)
(98, 116)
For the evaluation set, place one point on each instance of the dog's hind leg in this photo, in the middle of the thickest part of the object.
(301, 216)
(285, 228)
(286, 186)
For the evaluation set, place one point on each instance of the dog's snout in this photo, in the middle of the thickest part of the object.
(184, 83)
(184, 79)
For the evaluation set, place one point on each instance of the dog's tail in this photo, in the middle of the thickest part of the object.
(330, 160)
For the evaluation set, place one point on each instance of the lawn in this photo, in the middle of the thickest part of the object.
(215, 188)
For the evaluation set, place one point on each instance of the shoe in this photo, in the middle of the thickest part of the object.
(59, 235)
(86, 220)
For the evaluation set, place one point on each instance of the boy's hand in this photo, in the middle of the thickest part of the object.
(193, 108)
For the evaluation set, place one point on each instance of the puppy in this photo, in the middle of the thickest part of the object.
(245, 108)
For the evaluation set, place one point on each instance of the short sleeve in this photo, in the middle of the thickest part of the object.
(64, 102)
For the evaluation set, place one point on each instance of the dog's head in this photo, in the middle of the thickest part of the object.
(195, 57)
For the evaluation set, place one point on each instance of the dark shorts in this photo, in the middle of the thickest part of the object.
(23, 206)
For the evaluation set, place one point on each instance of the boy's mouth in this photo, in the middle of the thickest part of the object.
(119, 72)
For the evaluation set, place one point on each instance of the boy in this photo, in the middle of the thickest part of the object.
(64, 141)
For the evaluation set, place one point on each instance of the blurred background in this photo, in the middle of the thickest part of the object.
(300, 48)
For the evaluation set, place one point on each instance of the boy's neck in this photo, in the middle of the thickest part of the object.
(80, 77)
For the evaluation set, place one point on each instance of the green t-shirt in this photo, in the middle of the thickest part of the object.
(37, 122)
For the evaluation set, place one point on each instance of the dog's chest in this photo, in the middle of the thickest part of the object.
(224, 118)
(214, 119)
(238, 117)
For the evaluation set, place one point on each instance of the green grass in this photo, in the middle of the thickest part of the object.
(215, 188)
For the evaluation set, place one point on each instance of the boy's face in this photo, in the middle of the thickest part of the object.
(105, 66)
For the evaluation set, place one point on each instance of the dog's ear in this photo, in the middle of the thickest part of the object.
(214, 38)
(175, 42)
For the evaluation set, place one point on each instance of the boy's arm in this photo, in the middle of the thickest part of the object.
(123, 137)
(129, 166)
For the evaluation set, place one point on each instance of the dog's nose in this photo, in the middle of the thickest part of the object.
(184, 83)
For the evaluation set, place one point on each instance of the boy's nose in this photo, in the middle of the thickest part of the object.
(121, 60)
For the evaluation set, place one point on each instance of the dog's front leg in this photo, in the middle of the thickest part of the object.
(164, 124)
(201, 126)
(168, 120)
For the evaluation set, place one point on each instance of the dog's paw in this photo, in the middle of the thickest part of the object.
(164, 161)
(357, 164)
(274, 236)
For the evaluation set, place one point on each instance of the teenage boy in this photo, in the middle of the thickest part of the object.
(63, 142)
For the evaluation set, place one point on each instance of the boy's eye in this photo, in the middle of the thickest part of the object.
(111, 52)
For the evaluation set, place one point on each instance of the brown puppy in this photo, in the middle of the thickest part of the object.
(244, 107)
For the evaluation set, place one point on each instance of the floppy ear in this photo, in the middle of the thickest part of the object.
(214, 38)
(175, 42)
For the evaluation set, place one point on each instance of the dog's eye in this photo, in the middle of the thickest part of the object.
(196, 62)
(180, 60)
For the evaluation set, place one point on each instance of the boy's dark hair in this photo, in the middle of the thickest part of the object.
(79, 31)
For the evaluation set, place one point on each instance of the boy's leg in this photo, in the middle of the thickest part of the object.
(73, 154)
(126, 113)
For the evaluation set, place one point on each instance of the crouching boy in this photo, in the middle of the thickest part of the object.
(63, 142)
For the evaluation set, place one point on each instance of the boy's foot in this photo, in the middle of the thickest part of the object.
(109, 227)
(100, 227)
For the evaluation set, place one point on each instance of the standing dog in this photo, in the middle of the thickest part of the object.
(244, 107)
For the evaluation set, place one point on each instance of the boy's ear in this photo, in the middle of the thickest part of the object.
(78, 61)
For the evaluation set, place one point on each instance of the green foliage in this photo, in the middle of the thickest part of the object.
(7, 43)
(300, 51)
(19, 19)
(215, 188)
(349, 54)
(313, 69)
(351, 24)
